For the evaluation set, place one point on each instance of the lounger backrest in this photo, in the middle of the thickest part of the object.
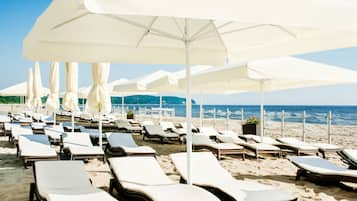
(230, 137)
(205, 167)
(154, 130)
(166, 125)
(210, 131)
(147, 123)
(139, 170)
(290, 140)
(62, 177)
(122, 139)
(87, 116)
(318, 165)
(4, 119)
(18, 130)
(54, 131)
(351, 154)
(199, 139)
(82, 139)
(33, 141)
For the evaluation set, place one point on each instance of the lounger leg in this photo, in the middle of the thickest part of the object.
(256, 154)
(323, 154)
(243, 156)
(299, 174)
(111, 186)
(218, 155)
(32, 191)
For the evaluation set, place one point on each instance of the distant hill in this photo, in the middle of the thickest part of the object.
(137, 99)
(147, 99)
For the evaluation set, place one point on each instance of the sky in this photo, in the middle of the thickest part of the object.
(18, 16)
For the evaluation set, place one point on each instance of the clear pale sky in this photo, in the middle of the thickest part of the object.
(18, 16)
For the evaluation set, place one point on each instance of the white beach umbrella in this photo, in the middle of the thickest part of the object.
(37, 87)
(184, 31)
(29, 101)
(271, 75)
(52, 103)
(20, 89)
(70, 99)
(99, 97)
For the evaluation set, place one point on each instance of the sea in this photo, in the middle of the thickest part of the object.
(341, 115)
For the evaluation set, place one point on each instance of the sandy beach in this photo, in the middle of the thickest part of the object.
(15, 180)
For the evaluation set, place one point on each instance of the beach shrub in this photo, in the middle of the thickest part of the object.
(252, 120)
(130, 115)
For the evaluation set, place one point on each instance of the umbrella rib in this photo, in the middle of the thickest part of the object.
(178, 27)
(146, 32)
(152, 30)
(70, 20)
(203, 28)
(261, 25)
(218, 35)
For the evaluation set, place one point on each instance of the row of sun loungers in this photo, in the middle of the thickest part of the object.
(68, 180)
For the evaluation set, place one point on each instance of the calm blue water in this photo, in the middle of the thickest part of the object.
(341, 115)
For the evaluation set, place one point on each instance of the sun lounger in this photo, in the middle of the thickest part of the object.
(37, 127)
(200, 141)
(155, 131)
(193, 127)
(170, 127)
(209, 131)
(67, 126)
(258, 148)
(79, 146)
(150, 183)
(54, 133)
(35, 147)
(297, 146)
(123, 144)
(64, 181)
(321, 170)
(260, 139)
(126, 126)
(207, 173)
(349, 156)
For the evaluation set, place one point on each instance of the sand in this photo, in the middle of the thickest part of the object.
(15, 180)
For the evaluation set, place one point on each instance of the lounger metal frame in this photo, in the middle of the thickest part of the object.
(352, 164)
(119, 151)
(262, 151)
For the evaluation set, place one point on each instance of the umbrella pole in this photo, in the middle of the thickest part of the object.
(201, 110)
(100, 126)
(261, 109)
(122, 106)
(160, 107)
(72, 121)
(54, 118)
(188, 106)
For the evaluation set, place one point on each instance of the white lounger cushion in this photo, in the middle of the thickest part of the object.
(297, 143)
(262, 139)
(318, 165)
(38, 125)
(206, 171)
(66, 179)
(35, 146)
(167, 125)
(210, 131)
(80, 144)
(199, 139)
(54, 132)
(152, 181)
(147, 123)
(325, 146)
(257, 146)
